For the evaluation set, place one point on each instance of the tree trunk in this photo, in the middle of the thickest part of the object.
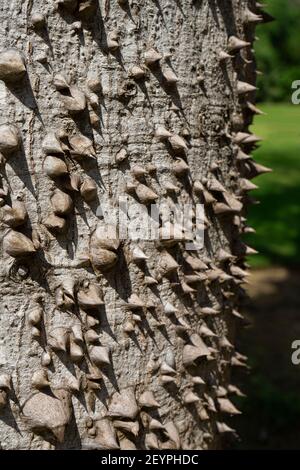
(109, 343)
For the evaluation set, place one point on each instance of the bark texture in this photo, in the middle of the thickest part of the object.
(85, 396)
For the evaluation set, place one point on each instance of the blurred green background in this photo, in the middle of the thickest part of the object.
(271, 412)
(277, 217)
(278, 57)
(278, 51)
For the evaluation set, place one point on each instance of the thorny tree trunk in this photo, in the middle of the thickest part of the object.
(149, 83)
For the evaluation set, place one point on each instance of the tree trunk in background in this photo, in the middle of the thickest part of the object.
(99, 347)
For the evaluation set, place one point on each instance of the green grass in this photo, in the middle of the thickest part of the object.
(277, 218)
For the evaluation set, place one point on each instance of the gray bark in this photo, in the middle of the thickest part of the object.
(204, 108)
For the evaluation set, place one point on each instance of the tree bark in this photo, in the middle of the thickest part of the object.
(74, 369)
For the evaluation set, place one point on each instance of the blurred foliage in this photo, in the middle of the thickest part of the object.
(275, 424)
(277, 51)
(276, 218)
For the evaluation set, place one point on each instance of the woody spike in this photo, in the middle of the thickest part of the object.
(235, 44)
